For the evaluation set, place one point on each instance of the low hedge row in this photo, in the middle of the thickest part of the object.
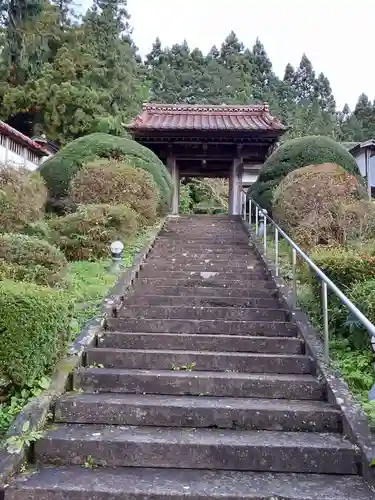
(35, 324)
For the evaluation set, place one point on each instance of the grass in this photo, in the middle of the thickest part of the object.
(87, 283)
(90, 282)
(354, 365)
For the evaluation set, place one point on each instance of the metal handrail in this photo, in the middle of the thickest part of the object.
(261, 218)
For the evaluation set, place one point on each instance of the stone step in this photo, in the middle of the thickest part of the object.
(197, 292)
(185, 411)
(262, 328)
(200, 342)
(238, 275)
(193, 255)
(206, 240)
(203, 313)
(159, 359)
(219, 384)
(136, 299)
(215, 282)
(196, 265)
(197, 448)
(204, 247)
(77, 483)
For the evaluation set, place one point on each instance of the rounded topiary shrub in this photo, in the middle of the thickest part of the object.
(60, 169)
(23, 197)
(106, 181)
(35, 324)
(87, 233)
(294, 154)
(308, 203)
(28, 258)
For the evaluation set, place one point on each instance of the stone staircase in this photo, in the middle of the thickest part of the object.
(200, 389)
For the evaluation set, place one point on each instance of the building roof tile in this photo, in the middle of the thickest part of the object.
(206, 117)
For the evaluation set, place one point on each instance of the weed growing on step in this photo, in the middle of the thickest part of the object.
(89, 463)
(15, 444)
(189, 367)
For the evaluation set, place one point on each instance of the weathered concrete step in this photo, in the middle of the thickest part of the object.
(220, 384)
(77, 483)
(217, 292)
(204, 246)
(159, 359)
(263, 328)
(187, 411)
(200, 342)
(205, 236)
(214, 282)
(197, 448)
(202, 254)
(196, 265)
(136, 299)
(203, 313)
(209, 274)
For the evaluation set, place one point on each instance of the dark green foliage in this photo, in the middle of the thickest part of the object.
(344, 266)
(297, 153)
(59, 170)
(87, 233)
(28, 258)
(35, 330)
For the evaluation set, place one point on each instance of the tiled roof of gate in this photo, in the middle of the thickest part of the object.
(206, 117)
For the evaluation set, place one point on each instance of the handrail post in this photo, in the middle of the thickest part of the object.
(256, 220)
(325, 321)
(294, 276)
(250, 210)
(265, 232)
(276, 251)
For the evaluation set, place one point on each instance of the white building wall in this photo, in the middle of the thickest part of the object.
(13, 153)
(361, 162)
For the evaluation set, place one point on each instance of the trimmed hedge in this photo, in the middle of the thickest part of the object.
(23, 196)
(87, 233)
(297, 153)
(114, 182)
(61, 168)
(343, 266)
(35, 326)
(28, 258)
(310, 203)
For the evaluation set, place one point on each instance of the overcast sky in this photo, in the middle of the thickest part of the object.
(337, 35)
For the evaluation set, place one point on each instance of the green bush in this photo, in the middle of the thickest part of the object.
(107, 181)
(297, 153)
(23, 196)
(87, 233)
(61, 168)
(28, 258)
(35, 330)
(343, 266)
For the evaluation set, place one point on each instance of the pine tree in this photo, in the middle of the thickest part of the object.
(305, 84)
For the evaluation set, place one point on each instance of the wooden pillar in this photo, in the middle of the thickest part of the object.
(175, 173)
(235, 185)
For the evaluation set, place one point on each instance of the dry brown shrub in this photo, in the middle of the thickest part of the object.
(107, 181)
(23, 196)
(310, 204)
